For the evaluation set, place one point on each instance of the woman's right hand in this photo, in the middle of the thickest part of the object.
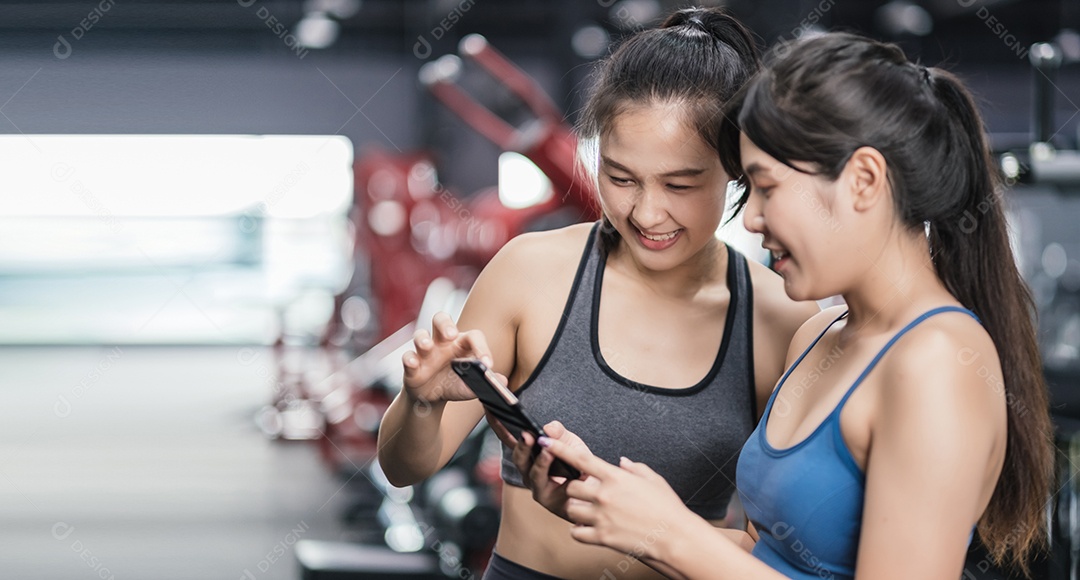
(428, 376)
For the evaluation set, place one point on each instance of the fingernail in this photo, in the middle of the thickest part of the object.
(544, 441)
(488, 362)
(624, 461)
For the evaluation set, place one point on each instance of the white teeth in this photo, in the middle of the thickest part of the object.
(778, 255)
(662, 238)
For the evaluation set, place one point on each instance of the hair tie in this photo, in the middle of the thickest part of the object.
(926, 75)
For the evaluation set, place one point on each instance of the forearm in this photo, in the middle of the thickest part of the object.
(703, 551)
(410, 440)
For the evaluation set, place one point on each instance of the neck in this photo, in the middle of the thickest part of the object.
(899, 283)
(705, 267)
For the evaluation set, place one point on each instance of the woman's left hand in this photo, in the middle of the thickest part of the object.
(628, 507)
(549, 491)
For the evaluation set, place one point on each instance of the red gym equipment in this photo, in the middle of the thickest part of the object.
(418, 247)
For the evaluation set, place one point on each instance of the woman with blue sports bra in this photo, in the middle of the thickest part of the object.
(908, 420)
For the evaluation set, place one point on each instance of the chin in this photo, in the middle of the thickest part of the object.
(801, 293)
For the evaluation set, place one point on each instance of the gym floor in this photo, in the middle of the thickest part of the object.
(144, 462)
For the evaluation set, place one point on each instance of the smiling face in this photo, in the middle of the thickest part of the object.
(661, 186)
(805, 223)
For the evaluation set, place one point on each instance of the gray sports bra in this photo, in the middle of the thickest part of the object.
(691, 436)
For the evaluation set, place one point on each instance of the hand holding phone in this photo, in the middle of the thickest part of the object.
(425, 365)
(505, 406)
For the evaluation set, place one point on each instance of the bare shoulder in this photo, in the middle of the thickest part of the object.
(778, 313)
(546, 249)
(944, 370)
(533, 261)
(810, 330)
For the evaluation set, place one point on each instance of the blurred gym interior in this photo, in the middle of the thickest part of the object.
(221, 221)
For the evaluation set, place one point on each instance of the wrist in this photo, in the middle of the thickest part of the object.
(677, 541)
(420, 404)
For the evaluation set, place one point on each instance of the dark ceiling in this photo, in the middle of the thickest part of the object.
(987, 41)
(976, 28)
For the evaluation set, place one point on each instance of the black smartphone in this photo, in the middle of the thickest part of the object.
(505, 406)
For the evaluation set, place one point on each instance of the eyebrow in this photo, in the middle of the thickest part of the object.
(687, 172)
(754, 169)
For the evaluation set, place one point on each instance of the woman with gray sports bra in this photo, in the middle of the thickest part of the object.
(907, 418)
(643, 332)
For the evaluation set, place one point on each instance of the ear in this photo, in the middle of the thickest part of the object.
(867, 174)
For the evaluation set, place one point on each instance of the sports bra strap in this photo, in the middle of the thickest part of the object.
(783, 379)
(897, 337)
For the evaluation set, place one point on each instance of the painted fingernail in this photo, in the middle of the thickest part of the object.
(544, 441)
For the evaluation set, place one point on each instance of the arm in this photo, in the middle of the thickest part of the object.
(435, 412)
(729, 557)
(709, 543)
(938, 442)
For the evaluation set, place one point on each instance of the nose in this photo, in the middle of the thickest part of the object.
(649, 208)
(753, 218)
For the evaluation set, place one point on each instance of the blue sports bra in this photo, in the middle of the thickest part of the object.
(806, 501)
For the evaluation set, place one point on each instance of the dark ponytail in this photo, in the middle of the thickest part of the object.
(826, 96)
(698, 58)
(973, 257)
